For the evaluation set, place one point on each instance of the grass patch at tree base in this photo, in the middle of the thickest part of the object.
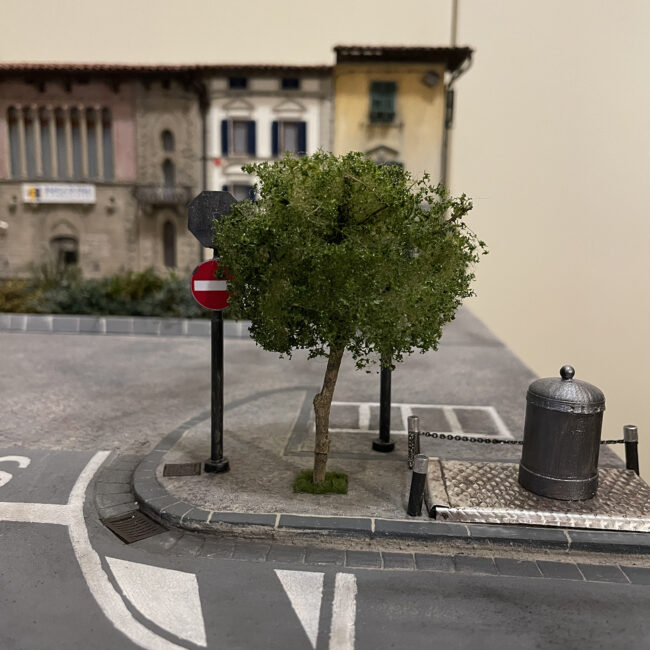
(334, 483)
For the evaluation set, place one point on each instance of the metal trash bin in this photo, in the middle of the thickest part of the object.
(562, 437)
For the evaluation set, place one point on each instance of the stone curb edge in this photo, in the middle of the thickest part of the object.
(123, 325)
(155, 501)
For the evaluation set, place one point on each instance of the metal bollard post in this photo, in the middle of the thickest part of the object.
(413, 423)
(631, 437)
(418, 481)
(384, 443)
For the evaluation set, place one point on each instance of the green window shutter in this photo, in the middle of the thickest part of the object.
(382, 101)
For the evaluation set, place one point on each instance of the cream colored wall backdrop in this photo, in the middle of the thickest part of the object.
(552, 139)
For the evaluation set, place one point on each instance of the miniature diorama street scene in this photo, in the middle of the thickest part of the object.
(247, 401)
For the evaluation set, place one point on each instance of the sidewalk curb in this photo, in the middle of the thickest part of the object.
(162, 506)
(121, 325)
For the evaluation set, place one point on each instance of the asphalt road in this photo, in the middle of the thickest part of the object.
(67, 581)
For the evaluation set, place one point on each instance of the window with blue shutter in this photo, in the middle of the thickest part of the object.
(237, 137)
(302, 138)
(224, 137)
(289, 136)
(251, 137)
(382, 101)
(275, 138)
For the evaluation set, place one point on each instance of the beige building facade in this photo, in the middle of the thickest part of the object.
(392, 103)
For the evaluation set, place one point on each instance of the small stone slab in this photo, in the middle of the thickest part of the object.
(468, 564)
(434, 562)
(325, 556)
(602, 573)
(251, 551)
(637, 575)
(352, 524)
(363, 559)
(520, 568)
(403, 561)
(559, 570)
(223, 548)
(288, 554)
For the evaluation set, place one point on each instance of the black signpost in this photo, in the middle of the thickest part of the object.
(202, 211)
(384, 443)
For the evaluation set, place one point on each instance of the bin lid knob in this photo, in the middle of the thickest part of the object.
(567, 372)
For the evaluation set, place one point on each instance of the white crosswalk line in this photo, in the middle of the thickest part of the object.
(344, 612)
(167, 597)
(305, 591)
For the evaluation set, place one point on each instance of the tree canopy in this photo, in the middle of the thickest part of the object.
(339, 252)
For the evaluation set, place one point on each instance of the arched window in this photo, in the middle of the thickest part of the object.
(75, 126)
(107, 144)
(169, 245)
(46, 142)
(65, 250)
(30, 142)
(61, 144)
(14, 141)
(167, 138)
(169, 173)
(91, 142)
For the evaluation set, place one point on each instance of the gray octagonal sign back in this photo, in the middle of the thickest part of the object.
(203, 210)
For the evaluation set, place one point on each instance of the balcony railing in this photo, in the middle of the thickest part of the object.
(161, 195)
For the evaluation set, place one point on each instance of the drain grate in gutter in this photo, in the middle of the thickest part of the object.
(133, 526)
(182, 469)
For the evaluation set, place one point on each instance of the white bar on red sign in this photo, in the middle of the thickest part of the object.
(210, 285)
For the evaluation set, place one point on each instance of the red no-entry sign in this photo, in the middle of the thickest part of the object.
(207, 290)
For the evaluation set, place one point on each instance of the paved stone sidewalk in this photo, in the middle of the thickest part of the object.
(114, 496)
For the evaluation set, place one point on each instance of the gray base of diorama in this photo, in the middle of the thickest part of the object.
(471, 492)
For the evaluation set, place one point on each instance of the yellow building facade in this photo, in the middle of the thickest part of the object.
(393, 103)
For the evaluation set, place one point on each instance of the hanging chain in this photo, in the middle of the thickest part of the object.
(491, 441)
(414, 441)
(459, 438)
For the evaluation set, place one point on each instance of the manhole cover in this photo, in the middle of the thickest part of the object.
(133, 526)
(182, 469)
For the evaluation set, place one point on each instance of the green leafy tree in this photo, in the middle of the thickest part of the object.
(338, 253)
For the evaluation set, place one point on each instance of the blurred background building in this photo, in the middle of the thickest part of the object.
(98, 163)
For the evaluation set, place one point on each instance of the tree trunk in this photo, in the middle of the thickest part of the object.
(322, 403)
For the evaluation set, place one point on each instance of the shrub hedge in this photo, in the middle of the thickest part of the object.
(54, 289)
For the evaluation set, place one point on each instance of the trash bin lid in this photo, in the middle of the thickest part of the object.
(566, 394)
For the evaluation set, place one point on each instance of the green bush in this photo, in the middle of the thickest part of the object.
(14, 296)
(54, 289)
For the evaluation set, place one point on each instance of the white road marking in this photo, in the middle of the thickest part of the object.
(167, 597)
(452, 419)
(72, 515)
(364, 417)
(35, 513)
(406, 409)
(501, 425)
(305, 591)
(22, 461)
(210, 285)
(100, 587)
(344, 611)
